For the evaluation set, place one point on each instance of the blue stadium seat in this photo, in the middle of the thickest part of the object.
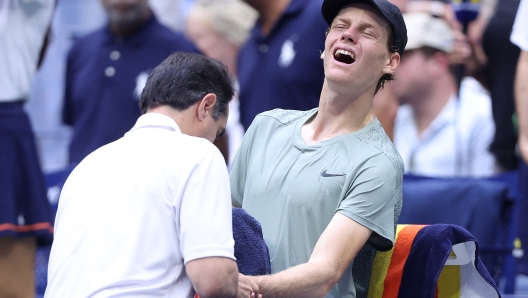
(54, 183)
(482, 206)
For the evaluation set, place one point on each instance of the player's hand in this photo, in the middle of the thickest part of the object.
(247, 287)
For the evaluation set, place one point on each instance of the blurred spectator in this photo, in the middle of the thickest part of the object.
(519, 37)
(25, 217)
(500, 63)
(72, 19)
(476, 28)
(185, 8)
(385, 102)
(280, 65)
(219, 28)
(442, 9)
(436, 133)
(106, 72)
(169, 13)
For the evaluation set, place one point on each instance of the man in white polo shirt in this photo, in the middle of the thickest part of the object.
(149, 215)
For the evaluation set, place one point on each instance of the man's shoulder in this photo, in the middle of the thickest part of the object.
(198, 145)
(313, 7)
(302, 19)
(311, 17)
(180, 142)
(87, 43)
(191, 146)
(377, 139)
(159, 30)
(168, 38)
(284, 117)
(168, 145)
(474, 99)
(307, 8)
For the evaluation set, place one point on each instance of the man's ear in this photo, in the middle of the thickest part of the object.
(442, 60)
(206, 106)
(392, 63)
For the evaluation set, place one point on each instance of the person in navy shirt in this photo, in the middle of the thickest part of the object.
(106, 72)
(280, 65)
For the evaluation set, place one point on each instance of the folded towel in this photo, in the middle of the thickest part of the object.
(251, 251)
(415, 267)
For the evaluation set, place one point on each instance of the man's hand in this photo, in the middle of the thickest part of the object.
(247, 287)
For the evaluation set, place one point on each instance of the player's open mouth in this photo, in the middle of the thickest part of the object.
(344, 56)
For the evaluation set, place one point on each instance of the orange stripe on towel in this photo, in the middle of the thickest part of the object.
(27, 228)
(380, 268)
(399, 256)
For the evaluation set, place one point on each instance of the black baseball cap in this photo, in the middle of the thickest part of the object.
(388, 10)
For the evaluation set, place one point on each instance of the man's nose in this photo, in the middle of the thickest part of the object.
(348, 35)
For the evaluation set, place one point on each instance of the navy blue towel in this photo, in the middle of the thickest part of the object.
(251, 251)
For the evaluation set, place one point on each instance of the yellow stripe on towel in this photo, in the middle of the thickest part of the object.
(380, 268)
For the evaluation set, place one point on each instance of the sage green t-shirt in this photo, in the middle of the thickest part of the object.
(294, 189)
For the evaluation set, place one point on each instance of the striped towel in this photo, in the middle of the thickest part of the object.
(415, 267)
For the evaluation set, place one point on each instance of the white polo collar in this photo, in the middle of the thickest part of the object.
(156, 120)
(445, 118)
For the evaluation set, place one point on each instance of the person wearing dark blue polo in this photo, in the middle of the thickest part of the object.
(280, 64)
(106, 72)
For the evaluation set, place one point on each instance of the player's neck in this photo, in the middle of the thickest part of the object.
(338, 115)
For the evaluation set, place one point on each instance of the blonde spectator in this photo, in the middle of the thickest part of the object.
(219, 28)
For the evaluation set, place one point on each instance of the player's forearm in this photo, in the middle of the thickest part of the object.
(521, 102)
(331, 256)
(305, 280)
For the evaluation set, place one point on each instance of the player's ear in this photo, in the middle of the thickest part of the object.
(206, 106)
(392, 63)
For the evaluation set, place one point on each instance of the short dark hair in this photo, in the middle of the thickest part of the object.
(183, 79)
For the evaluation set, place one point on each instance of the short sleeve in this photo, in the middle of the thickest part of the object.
(371, 200)
(205, 211)
(239, 168)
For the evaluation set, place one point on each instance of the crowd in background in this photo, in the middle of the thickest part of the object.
(78, 69)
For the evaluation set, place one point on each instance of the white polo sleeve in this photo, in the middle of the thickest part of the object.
(205, 211)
